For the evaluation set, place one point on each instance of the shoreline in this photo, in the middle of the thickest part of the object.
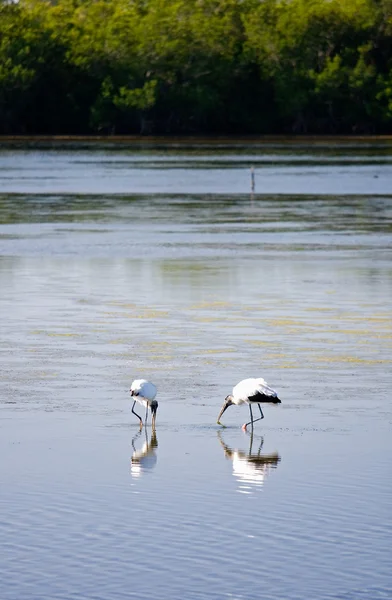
(205, 140)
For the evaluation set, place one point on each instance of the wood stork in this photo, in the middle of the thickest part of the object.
(144, 392)
(250, 391)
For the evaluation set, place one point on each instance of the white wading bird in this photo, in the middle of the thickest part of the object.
(144, 392)
(250, 391)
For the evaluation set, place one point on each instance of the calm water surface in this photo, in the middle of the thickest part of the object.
(157, 262)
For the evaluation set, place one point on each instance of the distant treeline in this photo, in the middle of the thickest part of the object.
(195, 66)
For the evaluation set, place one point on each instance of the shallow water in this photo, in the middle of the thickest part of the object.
(117, 263)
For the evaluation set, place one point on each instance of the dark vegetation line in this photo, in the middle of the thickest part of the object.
(164, 67)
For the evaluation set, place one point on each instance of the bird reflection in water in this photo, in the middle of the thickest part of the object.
(145, 458)
(250, 468)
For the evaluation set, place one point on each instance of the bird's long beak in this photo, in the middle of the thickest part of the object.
(226, 404)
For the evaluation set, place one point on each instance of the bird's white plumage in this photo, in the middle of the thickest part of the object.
(145, 390)
(247, 388)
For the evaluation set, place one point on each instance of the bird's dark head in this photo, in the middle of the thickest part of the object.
(228, 402)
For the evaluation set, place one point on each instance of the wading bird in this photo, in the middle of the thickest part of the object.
(250, 391)
(144, 392)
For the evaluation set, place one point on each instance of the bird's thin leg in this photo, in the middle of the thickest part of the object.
(145, 420)
(251, 416)
(140, 419)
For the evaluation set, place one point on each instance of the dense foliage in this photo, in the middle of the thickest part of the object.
(195, 66)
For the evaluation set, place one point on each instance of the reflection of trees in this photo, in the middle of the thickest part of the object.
(251, 467)
(57, 208)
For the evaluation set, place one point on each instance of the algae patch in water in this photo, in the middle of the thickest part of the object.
(351, 359)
